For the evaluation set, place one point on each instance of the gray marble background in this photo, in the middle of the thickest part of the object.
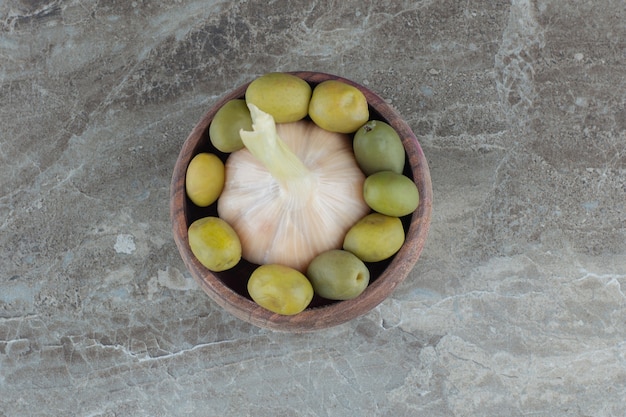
(516, 307)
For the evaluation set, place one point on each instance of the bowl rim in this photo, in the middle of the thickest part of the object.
(315, 318)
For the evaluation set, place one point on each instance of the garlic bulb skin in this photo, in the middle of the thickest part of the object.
(291, 219)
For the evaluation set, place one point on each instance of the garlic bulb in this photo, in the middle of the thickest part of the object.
(292, 192)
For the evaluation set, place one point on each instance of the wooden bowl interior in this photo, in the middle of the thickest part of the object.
(228, 288)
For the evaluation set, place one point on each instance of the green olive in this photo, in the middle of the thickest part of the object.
(227, 122)
(377, 147)
(214, 243)
(204, 179)
(375, 237)
(338, 275)
(280, 289)
(389, 193)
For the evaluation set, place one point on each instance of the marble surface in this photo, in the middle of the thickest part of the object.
(515, 308)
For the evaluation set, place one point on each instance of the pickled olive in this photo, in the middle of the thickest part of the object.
(375, 237)
(227, 122)
(280, 289)
(377, 147)
(214, 243)
(338, 275)
(389, 193)
(204, 179)
(338, 107)
(284, 96)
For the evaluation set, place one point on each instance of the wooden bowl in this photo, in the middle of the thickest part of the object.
(228, 288)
